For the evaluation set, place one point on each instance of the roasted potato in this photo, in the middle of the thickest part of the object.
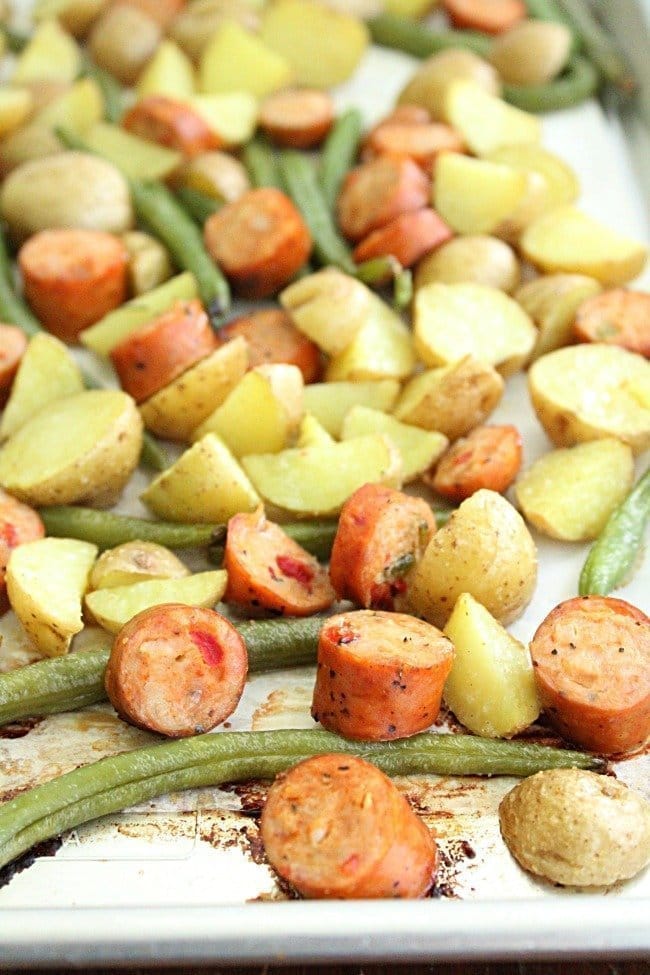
(235, 60)
(533, 52)
(576, 828)
(330, 402)
(419, 448)
(429, 84)
(135, 562)
(478, 259)
(196, 24)
(149, 263)
(552, 301)
(486, 122)
(122, 40)
(475, 196)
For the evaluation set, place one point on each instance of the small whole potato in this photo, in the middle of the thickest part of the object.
(533, 52)
(429, 84)
(70, 189)
(577, 828)
(477, 259)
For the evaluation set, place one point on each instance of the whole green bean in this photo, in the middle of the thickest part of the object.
(77, 680)
(258, 156)
(299, 177)
(106, 529)
(599, 46)
(613, 555)
(579, 81)
(339, 153)
(406, 34)
(198, 205)
(111, 784)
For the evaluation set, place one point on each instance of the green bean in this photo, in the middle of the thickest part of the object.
(111, 89)
(106, 529)
(299, 177)
(16, 40)
(339, 153)
(77, 680)
(198, 205)
(579, 81)
(13, 310)
(261, 163)
(152, 454)
(598, 44)
(614, 554)
(405, 34)
(378, 270)
(123, 780)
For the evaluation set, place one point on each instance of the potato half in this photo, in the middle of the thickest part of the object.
(135, 562)
(82, 448)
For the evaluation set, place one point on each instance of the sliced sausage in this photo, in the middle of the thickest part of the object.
(591, 657)
(298, 117)
(381, 533)
(487, 16)
(378, 191)
(489, 457)
(13, 343)
(260, 241)
(171, 123)
(73, 277)
(18, 523)
(417, 140)
(335, 826)
(154, 355)
(272, 337)
(618, 317)
(407, 238)
(176, 670)
(268, 570)
(380, 675)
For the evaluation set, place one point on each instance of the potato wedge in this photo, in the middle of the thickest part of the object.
(428, 86)
(16, 105)
(149, 262)
(50, 54)
(419, 448)
(47, 372)
(75, 15)
(330, 402)
(552, 301)
(452, 321)
(585, 392)
(205, 485)
(300, 481)
(475, 196)
(453, 399)
(197, 22)
(491, 688)
(381, 349)
(311, 433)
(478, 259)
(568, 240)
(33, 141)
(112, 608)
(330, 307)
(78, 449)
(236, 60)
(169, 72)
(261, 413)
(135, 562)
(77, 108)
(217, 175)
(232, 116)
(107, 333)
(322, 46)
(550, 184)
(571, 492)
(486, 122)
(484, 549)
(175, 411)
(533, 52)
(46, 581)
(137, 158)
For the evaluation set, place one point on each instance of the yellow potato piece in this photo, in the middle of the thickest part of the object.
(381, 349)
(33, 141)
(232, 116)
(236, 60)
(491, 688)
(312, 433)
(318, 480)
(206, 485)
(330, 402)
(135, 562)
(550, 183)
(329, 307)
(261, 413)
(474, 196)
(75, 15)
(137, 158)
(419, 448)
(586, 392)
(568, 240)
(51, 54)
(47, 372)
(81, 106)
(322, 46)
(428, 86)
(149, 262)
(46, 580)
(571, 492)
(112, 608)
(177, 409)
(486, 122)
(16, 105)
(452, 321)
(478, 259)
(552, 301)
(169, 72)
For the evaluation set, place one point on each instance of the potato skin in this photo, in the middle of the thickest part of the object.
(484, 549)
(576, 827)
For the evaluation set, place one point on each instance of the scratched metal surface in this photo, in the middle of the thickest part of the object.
(202, 849)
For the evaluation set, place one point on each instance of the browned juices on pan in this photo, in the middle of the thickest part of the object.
(156, 353)
(407, 237)
(171, 123)
(177, 670)
(617, 317)
(13, 343)
(259, 240)
(380, 675)
(489, 457)
(18, 523)
(73, 277)
(272, 337)
(378, 191)
(298, 117)
(268, 570)
(335, 826)
(591, 657)
(381, 533)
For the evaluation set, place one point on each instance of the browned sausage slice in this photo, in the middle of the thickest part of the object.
(177, 670)
(18, 523)
(335, 826)
(378, 191)
(272, 337)
(298, 117)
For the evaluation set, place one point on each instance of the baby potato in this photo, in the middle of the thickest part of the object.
(135, 562)
(477, 259)
(122, 40)
(485, 550)
(585, 392)
(429, 84)
(577, 828)
(570, 493)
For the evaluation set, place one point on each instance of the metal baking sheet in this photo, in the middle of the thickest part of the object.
(183, 878)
